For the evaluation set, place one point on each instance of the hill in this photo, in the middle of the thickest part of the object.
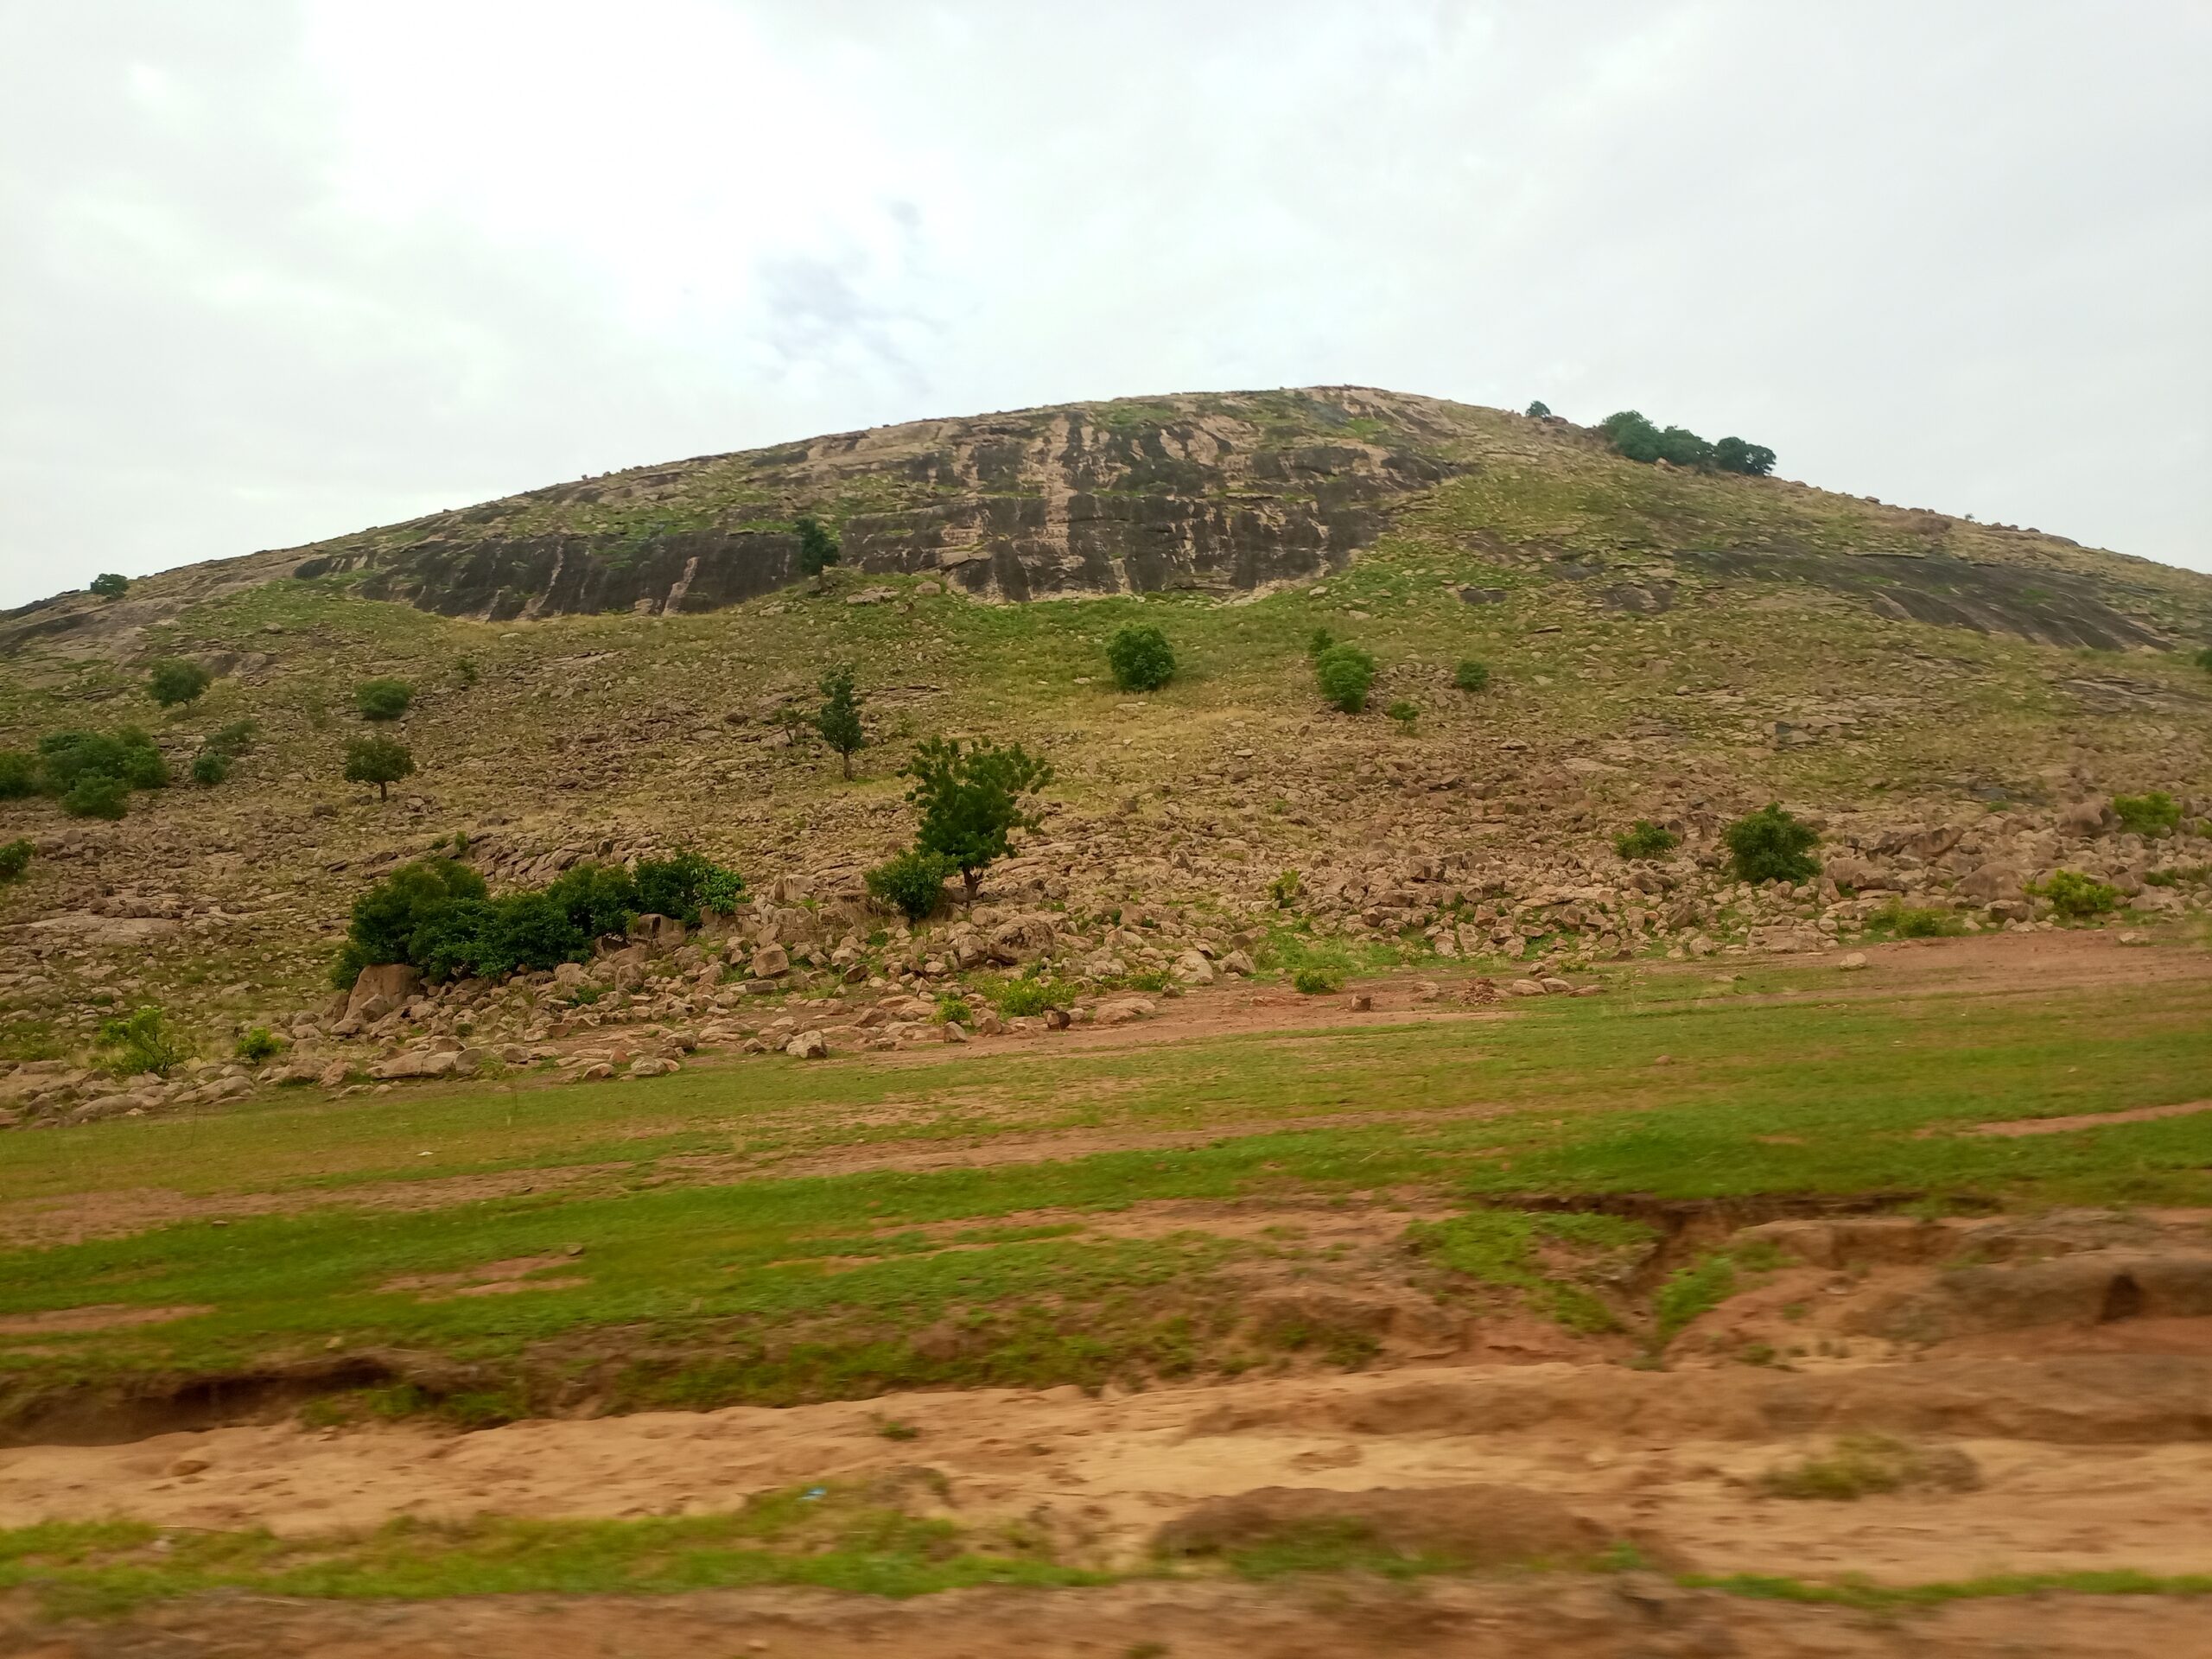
(610, 667)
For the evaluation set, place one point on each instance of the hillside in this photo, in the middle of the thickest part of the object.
(603, 668)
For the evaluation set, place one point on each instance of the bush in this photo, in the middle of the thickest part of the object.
(684, 885)
(1634, 438)
(141, 1042)
(596, 897)
(210, 767)
(233, 740)
(1317, 979)
(1539, 410)
(1140, 657)
(1344, 673)
(1318, 641)
(1771, 845)
(1029, 996)
(258, 1046)
(1472, 675)
(175, 681)
(2204, 659)
(14, 859)
(382, 699)
(838, 720)
(18, 774)
(1915, 921)
(413, 898)
(1404, 713)
(2150, 816)
(127, 755)
(111, 584)
(96, 795)
(2076, 896)
(1646, 840)
(1284, 889)
(379, 760)
(913, 882)
(1734, 455)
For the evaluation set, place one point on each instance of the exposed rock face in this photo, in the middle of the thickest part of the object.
(1221, 494)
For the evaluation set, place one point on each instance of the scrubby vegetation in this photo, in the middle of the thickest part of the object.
(256, 1046)
(140, 1042)
(91, 773)
(14, 859)
(111, 584)
(382, 699)
(1772, 845)
(2152, 815)
(379, 760)
(1405, 714)
(911, 883)
(1645, 839)
(1914, 921)
(817, 544)
(2076, 896)
(1344, 673)
(438, 915)
(1140, 657)
(1637, 439)
(1472, 675)
(174, 681)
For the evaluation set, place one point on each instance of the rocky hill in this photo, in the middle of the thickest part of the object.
(608, 667)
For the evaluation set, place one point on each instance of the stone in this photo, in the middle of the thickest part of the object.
(808, 1045)
(1236, 962)
(1525, 987)
(1993, 882)
(1193, 968)
(391, 984)
(1854, 962)
(1554, 987)
(1123, 1010)
(1057, 1019)
(771, 961)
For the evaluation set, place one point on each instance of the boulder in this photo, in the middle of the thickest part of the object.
(2086, 820)
(808, 1045)
(1193, 968)
(1525, 987)
(771, 961)
(1236, 962)
(393, 983)
(661, 933)
(1991, 882)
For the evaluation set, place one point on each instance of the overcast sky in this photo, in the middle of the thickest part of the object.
(273, 272)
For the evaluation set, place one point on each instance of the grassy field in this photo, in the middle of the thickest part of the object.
(686, 1257)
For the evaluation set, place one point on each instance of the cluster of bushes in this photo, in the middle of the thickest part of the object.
(2149, 816)
(1345, 672)
(971, 802)
(437, 915)
(1637, 439)
(91, 773)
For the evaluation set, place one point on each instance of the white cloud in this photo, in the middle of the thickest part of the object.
(278, 272)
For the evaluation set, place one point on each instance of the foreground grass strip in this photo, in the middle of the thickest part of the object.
(1883, 1598)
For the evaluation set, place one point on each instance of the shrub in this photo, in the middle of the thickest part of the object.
(1771, 845)
(912, 883)
(1636, 438)
(210, 767)
(1734, 455)
(1318, 641)
(1140, 657)
(96, 795)
(1344, 673)
(970, 801)
(838, 720)
(2152, 815)
(1404, 713)
(175, 681)
(233, 740)
(127, 755)
(2077, 896)
(111, 584)
(1472, 675)
(2204, 659)
(596, 897)
(1646, 840)
(384, 699)
(141, 1042)
(1915, 921)
(817, 546)
(258, 1046)
(1317, 979)
(1539, 410)
(379, 760)
(1284, 889)
(14, 859)
(684, 885)
(414, 897)
(436, 915)
(1027, 997)
(465, 670)
(18, 774)
(954, 1011)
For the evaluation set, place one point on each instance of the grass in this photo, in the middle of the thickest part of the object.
(1505, 1248)
(1863, 1465)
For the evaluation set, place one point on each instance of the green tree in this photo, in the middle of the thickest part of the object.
(912, 883)
(970, 801)
(686, 885)
(18, 774)
(817, 545)
(96, 795)
(141, 1042)
(109, 585)
(1771, 845)
(1680, 446)
(838, 720)
(1140, 657)
(1631, 435)
(1318, 641)
(174, 681)
(379, 760)
(1345, 672)
(382, 699)
(14, 859)
(1540, 410)
(210, 767)
(1734, 455)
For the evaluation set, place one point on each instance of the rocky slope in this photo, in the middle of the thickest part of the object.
(612, 667)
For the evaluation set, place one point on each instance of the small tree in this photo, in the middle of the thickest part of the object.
(109, 585)
(142, 1042)
(14, 859)
(1540, 411)
(838, 720)
(1771, 845)
(912, 883)
(96, 795)
(970, 801)
(1734, 455)
(210, 767)
(1646, 840)
(817, 544)
(1345, 672)
(379, 760)
(174, 681)
(1140, 657)
(2077, 896)
(1318, 641)
(382, 699)
(18, 774)
(1405, 714)
(1472, 675)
